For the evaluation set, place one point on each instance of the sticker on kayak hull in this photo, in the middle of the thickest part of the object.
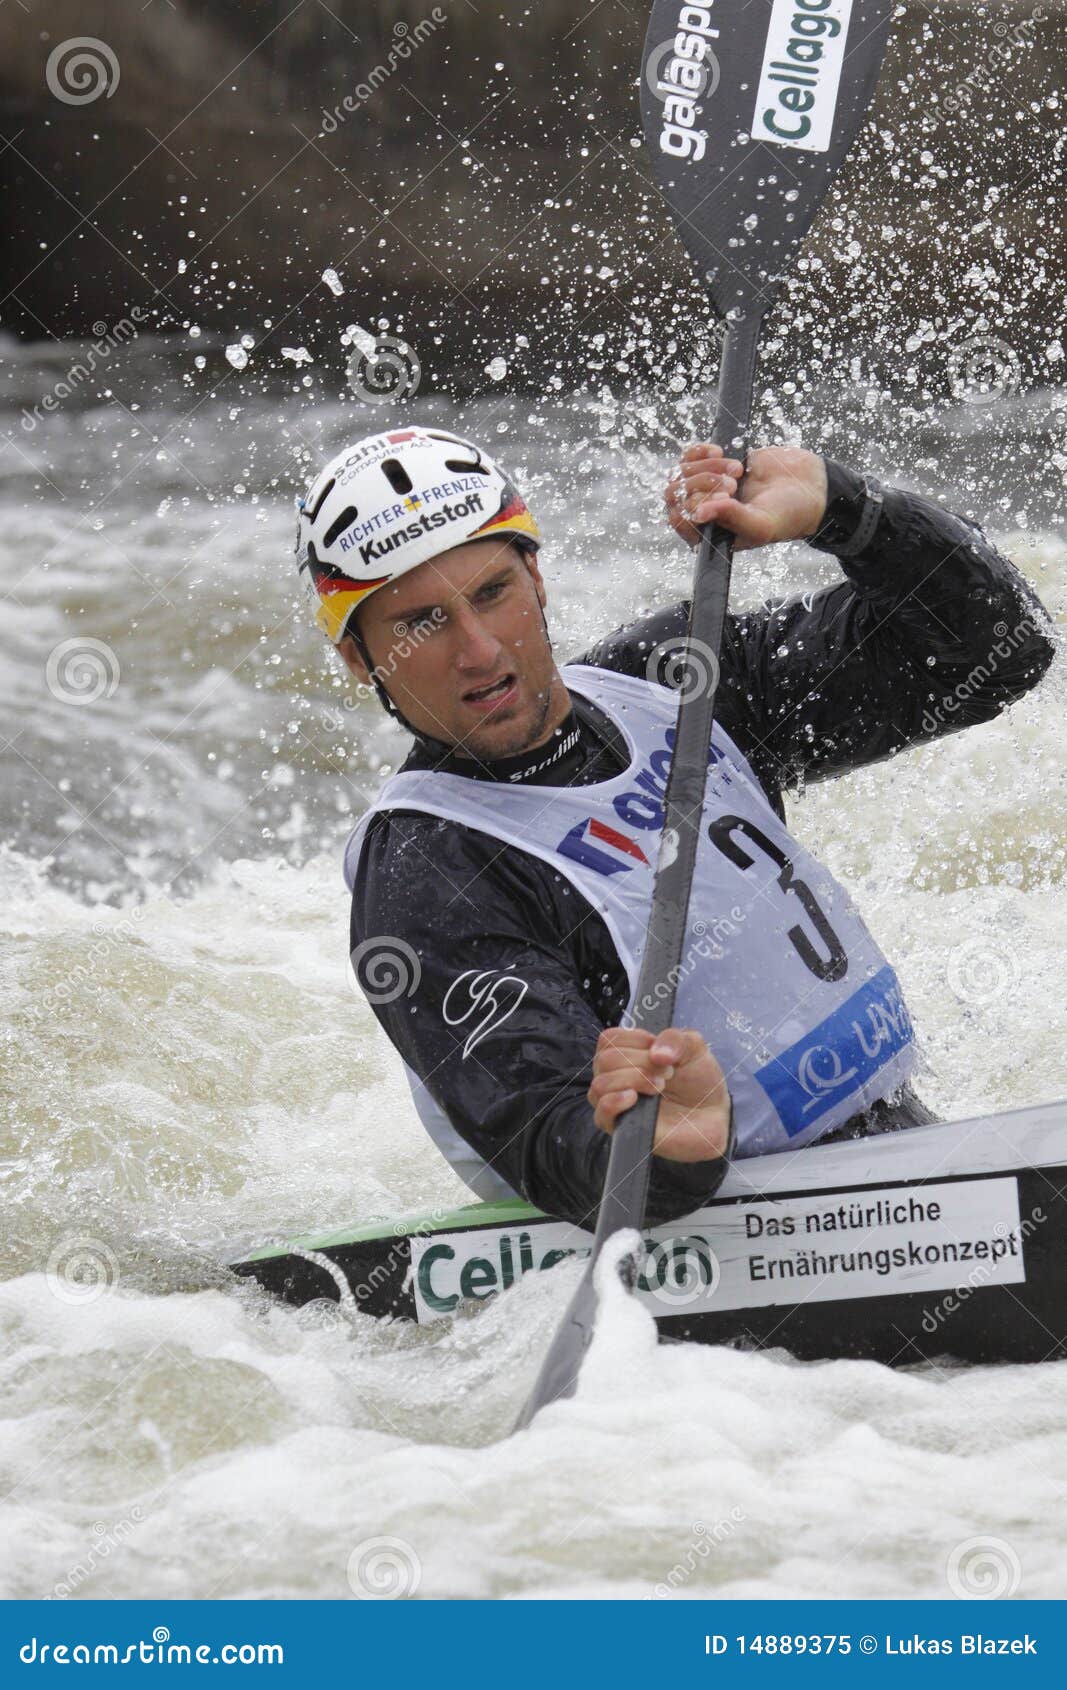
(872, 1243)
(819, 1247)
(801, 76)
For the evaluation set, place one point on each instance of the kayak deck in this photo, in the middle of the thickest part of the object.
(949, 1240)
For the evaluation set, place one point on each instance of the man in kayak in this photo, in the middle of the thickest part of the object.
(501, 883)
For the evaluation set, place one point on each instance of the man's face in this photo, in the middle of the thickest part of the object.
(460, 646)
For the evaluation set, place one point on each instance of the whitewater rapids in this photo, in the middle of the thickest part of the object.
(186, 1070)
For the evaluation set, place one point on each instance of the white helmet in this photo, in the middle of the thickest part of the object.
(385, 505)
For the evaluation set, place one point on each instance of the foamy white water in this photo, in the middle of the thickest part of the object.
(185, 1070)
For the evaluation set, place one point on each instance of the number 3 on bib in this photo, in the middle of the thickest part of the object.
(833, 965)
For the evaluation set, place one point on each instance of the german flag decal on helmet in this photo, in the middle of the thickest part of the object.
(513, 517)
(335, 594)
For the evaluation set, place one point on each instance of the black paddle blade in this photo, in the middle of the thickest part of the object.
(749, 108)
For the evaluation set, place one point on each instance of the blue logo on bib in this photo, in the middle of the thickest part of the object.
(838, 1057)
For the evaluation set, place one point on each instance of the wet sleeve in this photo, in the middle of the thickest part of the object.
(932, 630)
(501, 1019)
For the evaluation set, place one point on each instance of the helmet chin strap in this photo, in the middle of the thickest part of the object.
(368, 663)
(388, 703)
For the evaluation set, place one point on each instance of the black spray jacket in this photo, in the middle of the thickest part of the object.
(929, 631)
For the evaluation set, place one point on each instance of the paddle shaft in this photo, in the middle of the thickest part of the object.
(626, 1181)
(622, 1203)
(743, 187)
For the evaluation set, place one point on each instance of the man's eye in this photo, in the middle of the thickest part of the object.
(493, 590)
